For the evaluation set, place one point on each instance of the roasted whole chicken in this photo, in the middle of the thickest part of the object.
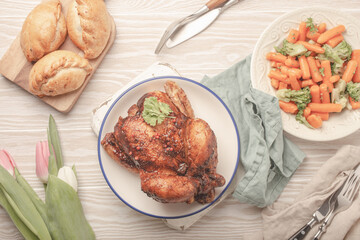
(176, 159)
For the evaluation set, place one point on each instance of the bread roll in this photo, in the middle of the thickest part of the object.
(57, 73)
(89, 26)
(43, 31)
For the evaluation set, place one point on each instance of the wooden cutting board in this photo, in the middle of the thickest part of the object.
(16, 68)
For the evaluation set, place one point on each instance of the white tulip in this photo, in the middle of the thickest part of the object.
(67, 175)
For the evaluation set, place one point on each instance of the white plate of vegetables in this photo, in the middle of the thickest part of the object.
(310, 60)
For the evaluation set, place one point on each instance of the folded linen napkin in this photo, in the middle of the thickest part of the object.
(268, 157)
(281, 221)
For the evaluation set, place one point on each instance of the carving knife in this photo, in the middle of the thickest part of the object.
(318, 216)
(172, 28)
(198, 25)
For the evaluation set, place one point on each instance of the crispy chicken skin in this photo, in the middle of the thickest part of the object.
(176, 160)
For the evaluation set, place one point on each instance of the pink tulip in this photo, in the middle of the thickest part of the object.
(42, 160)
(7, 162)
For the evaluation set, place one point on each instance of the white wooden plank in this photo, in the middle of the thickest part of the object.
(140, 23)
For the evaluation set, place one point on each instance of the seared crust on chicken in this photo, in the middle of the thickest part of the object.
(177, 159)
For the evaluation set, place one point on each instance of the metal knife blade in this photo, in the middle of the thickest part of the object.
(325, 208)
(318, 216)
(198, 25)
(173, 27)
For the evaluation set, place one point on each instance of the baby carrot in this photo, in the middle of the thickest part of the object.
(296, 71)
(349, 71)
(284, 70)
(307, 112)
(315, 93)
(282, 85)
(288, 107)
(293, 36)
(292, 57)
(322, 27)
(277, 75)
(292, 63)
(354, 105)
(324, 37)
(323, 116)
(275, 83)
(294, 82)
(333, 42)
(302, 31)
(311, 47)
(273, 64)
(325, 107)
(312, 35)
(306, 83)
(314, 120)
(356, 56)
(318, 64)
(327, 74)
(277, 57)
(324, 91)
(304, 66)
(334, 78)
(314, 71)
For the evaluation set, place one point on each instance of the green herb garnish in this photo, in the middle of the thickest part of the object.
(321, 70)
(155, 112)
(311, 25)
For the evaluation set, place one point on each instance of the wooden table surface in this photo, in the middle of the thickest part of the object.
(140, 24)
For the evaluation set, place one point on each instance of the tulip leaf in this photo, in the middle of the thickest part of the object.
(38, 203)
(65, 212)
(22, 205)
(52, 167)
(54, 141)
(19, 213)
(24, 230)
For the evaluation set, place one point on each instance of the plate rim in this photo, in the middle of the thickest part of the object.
(154, 79)
(256, 51)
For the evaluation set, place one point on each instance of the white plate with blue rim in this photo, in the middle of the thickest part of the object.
(339, 125)
(207, 106)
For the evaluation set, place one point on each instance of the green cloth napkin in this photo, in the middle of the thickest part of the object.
(268, 157)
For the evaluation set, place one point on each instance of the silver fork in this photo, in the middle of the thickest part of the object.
(343, 201)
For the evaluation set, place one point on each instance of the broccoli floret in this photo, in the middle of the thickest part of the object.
(300, 97)
(300, 118)
(311, 25)
(338, 94)
(337, 56)
(337, 69)
(331, 55)
(343, 50)
(291, 49)
(354, 91)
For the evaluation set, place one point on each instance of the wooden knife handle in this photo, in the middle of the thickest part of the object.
(215, 3)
